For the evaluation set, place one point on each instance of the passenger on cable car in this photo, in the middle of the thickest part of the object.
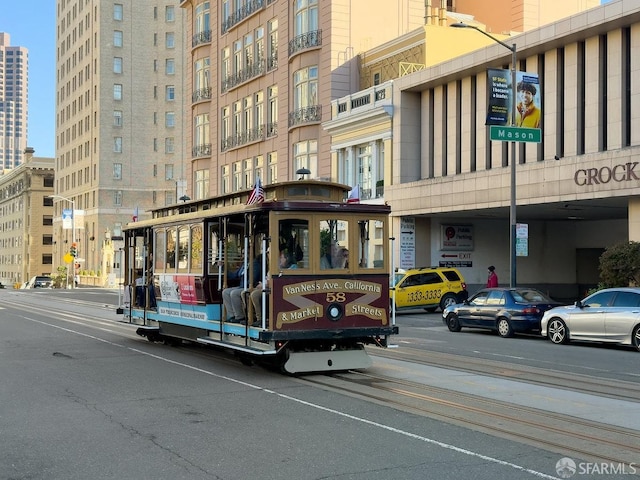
(286, 262)
(232, 296)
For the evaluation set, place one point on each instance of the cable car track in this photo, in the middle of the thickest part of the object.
(565, 434)
(575, 382)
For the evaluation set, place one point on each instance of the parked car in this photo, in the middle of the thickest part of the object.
(39, 281)
(611, 315)
(428, 288)
(504, 310)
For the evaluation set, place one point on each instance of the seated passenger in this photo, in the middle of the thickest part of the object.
(232, 297)
(342, 260)
(256, 294)
(327, 259)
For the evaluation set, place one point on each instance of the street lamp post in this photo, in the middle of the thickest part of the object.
(73, 222)
(512, 203)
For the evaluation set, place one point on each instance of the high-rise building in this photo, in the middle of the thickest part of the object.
(119, 130)
(14, 76)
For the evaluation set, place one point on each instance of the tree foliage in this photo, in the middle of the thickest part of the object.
(620, 265)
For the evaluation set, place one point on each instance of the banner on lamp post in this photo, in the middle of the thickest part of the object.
(500, 98)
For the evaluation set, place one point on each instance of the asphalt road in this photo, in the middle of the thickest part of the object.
(83, 397)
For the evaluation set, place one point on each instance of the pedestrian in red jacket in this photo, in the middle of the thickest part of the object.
(492, 281)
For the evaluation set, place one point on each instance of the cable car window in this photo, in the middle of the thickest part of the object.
(183, 249)
(171, 249)
(159, 251)
(293, 240)
(371, 250)
(196, 249)
(334, 242)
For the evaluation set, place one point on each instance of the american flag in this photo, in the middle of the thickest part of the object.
(354, 196)
(257, 195)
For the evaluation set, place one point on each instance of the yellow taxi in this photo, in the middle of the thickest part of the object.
(428, 287)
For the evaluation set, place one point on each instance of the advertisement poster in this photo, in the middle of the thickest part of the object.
(500, 93)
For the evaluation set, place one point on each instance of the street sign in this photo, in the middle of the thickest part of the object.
(515, 134)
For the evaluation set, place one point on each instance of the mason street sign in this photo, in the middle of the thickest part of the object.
(515, 134)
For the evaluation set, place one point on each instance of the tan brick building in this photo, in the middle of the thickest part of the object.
(26, 213)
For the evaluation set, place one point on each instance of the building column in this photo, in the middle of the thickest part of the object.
(634, 219)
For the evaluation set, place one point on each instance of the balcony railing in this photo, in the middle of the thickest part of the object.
(242, 138)
(304, 41)
(253, 70)
(242, 13)
(272, 62)
(305, 115)
(272, 129)
(202, 150)
(201, 38)
(201, 94)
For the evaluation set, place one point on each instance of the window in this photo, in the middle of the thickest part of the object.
(170, 66)
(201, 78)
(306, 16)
(117, 171)
(117, 64)
(170, 93)
(169, 40)
(627, 300)
(225, 131)
(248, 51)
(294, 245)
(305, 155)
(272, 53)
(305, 92)
(117, 12)
(272, 125)
(169, 119)
(117, 144)
(117, 91)
(168, 171)
(226, 181)
(226, 63)
(272, 159)
(170, 13)
(117, 198)
(201, 184)
(201, 130)
(169, 145)
(334, 243)
(203, 16)
(600, 299)
(117, 38)
(117, 118)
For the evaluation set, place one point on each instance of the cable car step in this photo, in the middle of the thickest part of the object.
(241, 347)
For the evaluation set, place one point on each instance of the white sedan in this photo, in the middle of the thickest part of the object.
(611, 315)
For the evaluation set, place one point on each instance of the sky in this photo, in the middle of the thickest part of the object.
(32, 24)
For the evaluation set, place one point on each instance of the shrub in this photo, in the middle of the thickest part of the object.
(620, 265)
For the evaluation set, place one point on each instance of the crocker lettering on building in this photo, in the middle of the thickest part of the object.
(624, 172)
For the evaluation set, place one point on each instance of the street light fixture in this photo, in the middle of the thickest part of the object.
(512, 204)
(73, 222)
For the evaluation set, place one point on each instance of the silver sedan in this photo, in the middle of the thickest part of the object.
(611, 315)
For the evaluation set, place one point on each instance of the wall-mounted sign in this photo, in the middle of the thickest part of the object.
(456, 237)
(407, 242)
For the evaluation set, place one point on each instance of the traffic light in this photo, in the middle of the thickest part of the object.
(74, 249)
